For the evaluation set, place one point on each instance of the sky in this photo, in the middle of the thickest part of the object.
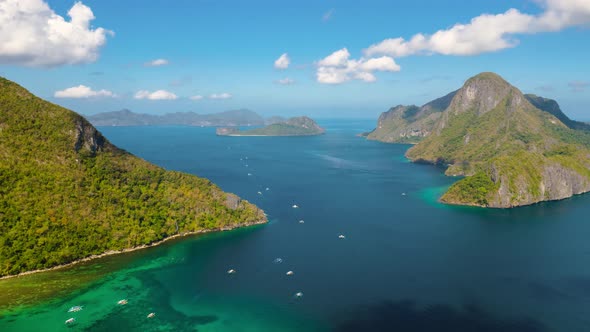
(322, 58)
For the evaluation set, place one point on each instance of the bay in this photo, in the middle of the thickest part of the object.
(406, 262)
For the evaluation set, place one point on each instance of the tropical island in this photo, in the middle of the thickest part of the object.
(512, 149)
(297, 126)
(69, 194)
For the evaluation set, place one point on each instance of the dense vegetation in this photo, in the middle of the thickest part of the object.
(472, 190)
(67, 193)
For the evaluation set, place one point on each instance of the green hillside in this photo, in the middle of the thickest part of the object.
(298, 126)
(512, 152)
(67, 193)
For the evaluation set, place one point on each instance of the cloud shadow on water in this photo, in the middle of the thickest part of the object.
(406, 316)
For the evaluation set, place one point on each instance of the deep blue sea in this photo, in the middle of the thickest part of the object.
(406, 262)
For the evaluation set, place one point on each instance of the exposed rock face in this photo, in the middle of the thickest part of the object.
(409, 124)
(88, 138)
(513, 149)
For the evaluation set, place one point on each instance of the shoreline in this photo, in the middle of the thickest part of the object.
(127, 250)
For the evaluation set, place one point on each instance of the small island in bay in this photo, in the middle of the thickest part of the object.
(297, 126)
(512, 149)
(68, 194)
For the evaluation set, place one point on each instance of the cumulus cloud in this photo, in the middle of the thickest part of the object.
(487, 32)
(196, 97)
(283, 61)
(338, 68)
(157, 63)
(156, 95)
(32, 34)
(484, 33)
(285, 81)
(82, 91)
(223, 95)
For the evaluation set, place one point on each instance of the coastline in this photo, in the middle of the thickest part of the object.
(127, 250)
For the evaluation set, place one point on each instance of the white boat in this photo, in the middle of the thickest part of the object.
(290, 273)
(70, 321)
(298, 294)
(302, 221)
(151, 315)
(249, 174)
(278, 260)
(403, 194)
(231, 271)
(122, 302)
(267, 188)
(341, 236)
(260, 193)
(295, 206)
(75, 308)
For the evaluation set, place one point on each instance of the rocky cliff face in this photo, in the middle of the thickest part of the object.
(511, 152)
(88, 138)
(409, 124)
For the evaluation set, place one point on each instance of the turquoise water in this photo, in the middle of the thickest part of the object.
(407, 263)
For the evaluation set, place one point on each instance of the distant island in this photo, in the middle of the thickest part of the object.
(297, 126)
(68, 194)
(242, 117)
(512, 149)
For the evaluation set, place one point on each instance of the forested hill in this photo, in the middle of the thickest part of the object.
(67, 193)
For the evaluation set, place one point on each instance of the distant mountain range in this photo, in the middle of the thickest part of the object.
(235, 118)
(513, 149)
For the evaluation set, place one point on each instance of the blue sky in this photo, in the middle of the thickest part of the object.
(228, 49)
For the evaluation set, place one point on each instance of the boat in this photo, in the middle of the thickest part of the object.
(70, 320)
(290, 273)
(298, 294)
(341, 236)
(249, 174)
(231, 271)
(278, 260)
(302, 221)
(267, 188)
(260, 193)
(403, 194)
(151, 315)
(75, 308)
(295, 206)
(122, 302)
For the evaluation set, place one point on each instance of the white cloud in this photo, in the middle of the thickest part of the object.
(223, 95)
(285, 81)
(336, 59)
(487, 32)
(156, 95)
(82, 91)
(32, 34)
(484, 33)
(196, 97)
(283, 61)
(328, 15)
(157, 63)
(338, 68)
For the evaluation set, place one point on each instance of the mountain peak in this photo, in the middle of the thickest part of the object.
(483, 92)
